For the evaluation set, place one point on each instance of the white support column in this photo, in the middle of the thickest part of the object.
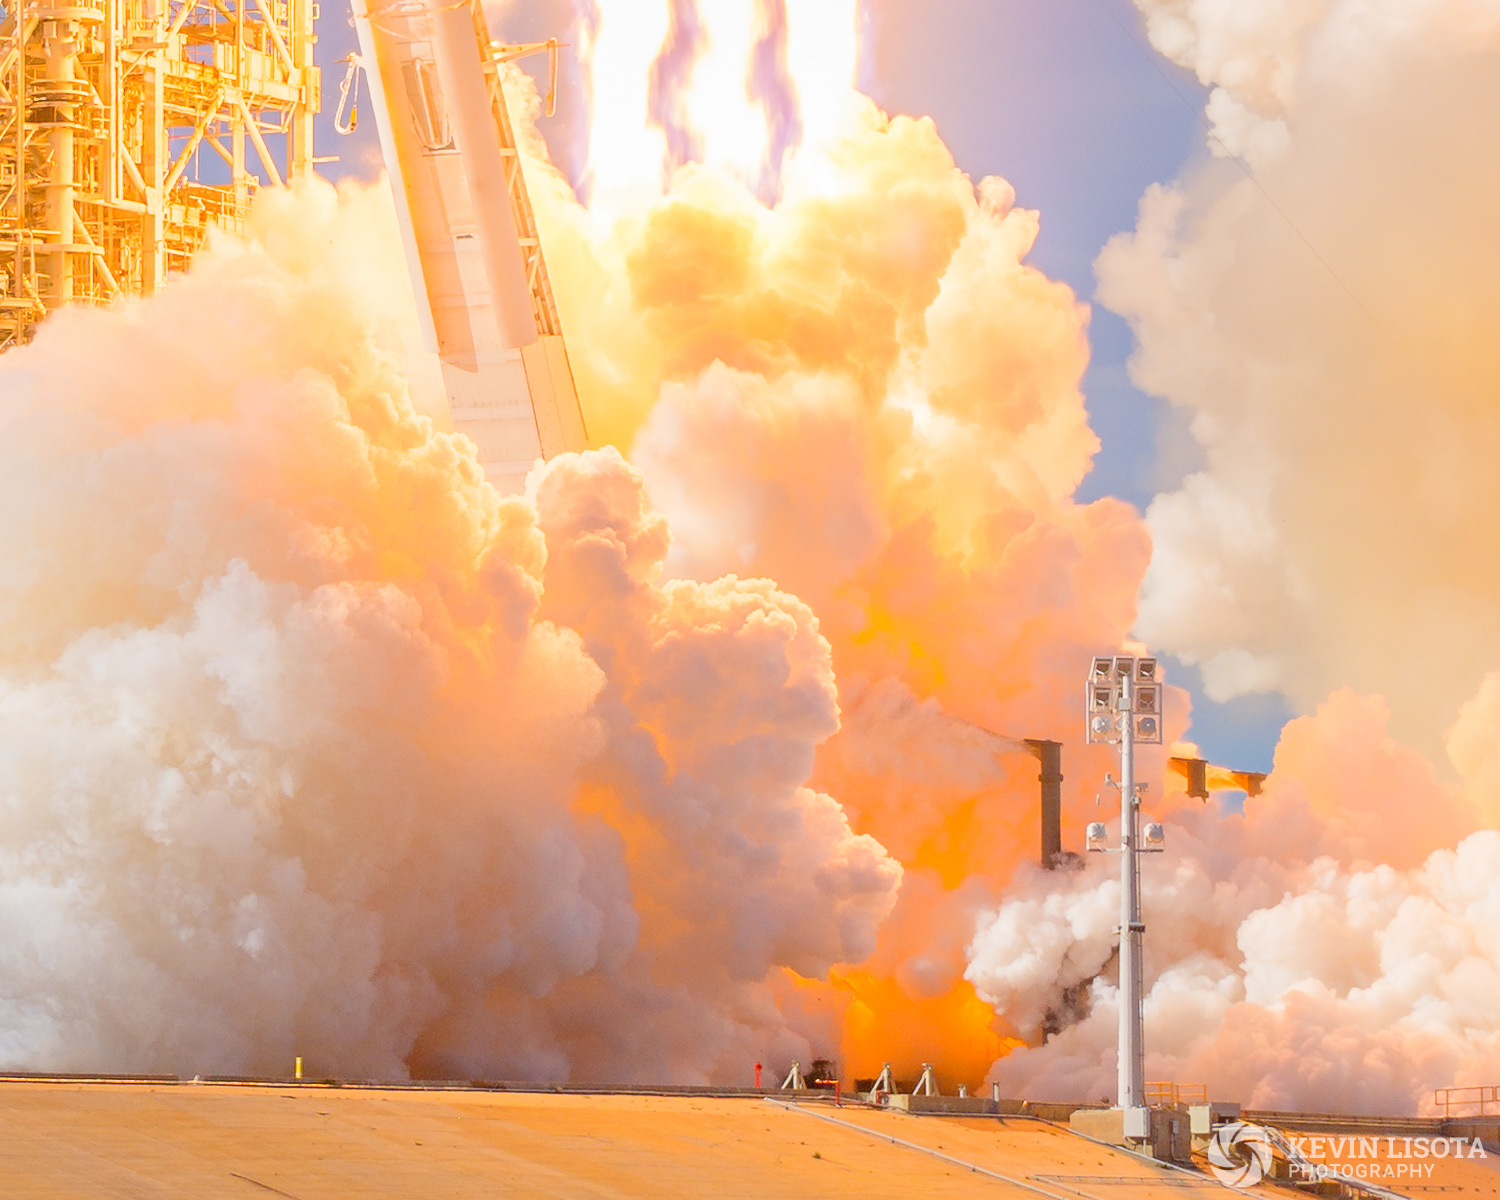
(1124, 708)
(1132, 1065)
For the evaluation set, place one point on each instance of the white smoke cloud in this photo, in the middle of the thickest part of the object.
(1332, 948)
(312, 744)
(1357, 991)
(574, 798)
(1324, 327)
(1261, 61)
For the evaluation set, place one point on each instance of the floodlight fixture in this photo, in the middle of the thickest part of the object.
(1094, 836)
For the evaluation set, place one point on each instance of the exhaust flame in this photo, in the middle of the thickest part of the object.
(733, 85)
(718, 108)
(821, 58)
(626, 149)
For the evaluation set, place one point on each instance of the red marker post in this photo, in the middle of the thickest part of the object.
(757, 1076)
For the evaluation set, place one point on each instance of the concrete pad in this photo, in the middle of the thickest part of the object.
(107, 1141)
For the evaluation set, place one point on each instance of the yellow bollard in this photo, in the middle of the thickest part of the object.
(299, 1066)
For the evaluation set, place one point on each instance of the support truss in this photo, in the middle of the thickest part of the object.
(106, 110)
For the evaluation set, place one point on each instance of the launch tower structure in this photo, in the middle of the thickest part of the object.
(129, 127)
(107, 110)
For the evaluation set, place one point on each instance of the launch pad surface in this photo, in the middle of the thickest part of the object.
(310, 1142)
(70, 1138)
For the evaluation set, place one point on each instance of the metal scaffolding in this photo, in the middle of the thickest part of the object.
(107, 108)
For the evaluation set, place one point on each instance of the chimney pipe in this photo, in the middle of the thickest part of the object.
(1049, 755)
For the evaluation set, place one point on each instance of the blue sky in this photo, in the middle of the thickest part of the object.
(1065, 99)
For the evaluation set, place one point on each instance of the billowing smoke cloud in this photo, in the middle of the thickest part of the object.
(707, 750)
(864, 394)
(1329, 947)
(1266, 63)
(1323, 324)
(313, 744)
(1326, 327)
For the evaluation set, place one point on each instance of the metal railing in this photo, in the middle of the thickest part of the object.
(1171, 1095)
(1481, 1101)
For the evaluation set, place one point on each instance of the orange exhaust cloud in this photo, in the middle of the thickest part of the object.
(706, 751)
(564, 785)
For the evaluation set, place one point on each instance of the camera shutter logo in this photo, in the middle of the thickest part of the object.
(1240, 1154)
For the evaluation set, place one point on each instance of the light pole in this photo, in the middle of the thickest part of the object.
(1124, 707)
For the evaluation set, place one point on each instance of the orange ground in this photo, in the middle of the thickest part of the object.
(306, 1142)
(311, 1143)
(1388, 1159)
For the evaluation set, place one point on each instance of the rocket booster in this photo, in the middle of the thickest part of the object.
(482, 293)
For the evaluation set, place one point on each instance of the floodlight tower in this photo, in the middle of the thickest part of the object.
(1124, 707)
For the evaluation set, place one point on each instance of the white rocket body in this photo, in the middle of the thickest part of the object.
(456, 176)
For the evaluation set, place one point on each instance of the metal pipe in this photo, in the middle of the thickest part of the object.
(1132, 1064)
(253, 129)
(1049, 756)
(133, 171)
(110, 168)
(204, 121)
(59, 51)
(100, 261)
